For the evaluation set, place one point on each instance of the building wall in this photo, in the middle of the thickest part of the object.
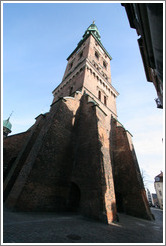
(42, 181)
(71, 148)
(11, 148)
(129, 188)
(92, 165)
(71, 84)
(98, 61)
(20, 161)
(98, 78)
(73, 75)
(72, 162)
(159, 191)
(77, 58)
(155, 200)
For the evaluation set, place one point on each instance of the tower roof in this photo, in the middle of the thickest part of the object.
(7, 124)
(93, 29)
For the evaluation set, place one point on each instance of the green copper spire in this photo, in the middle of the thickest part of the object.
(93, 29)
(7, 124)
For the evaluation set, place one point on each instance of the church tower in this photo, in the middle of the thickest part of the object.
(78, 156)
(88, 71)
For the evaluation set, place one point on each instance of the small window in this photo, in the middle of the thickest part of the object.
(104, 65)
(70, 90)
(97, 54)
(70, 65)
(99, 95)
(80, 55)
(160, 192)
(105, 100)
(77, 50)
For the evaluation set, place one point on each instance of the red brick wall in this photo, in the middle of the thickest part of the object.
(71, 149)
(129, 188)
(92, 163)
(11, 148)
(67, 162)
(43, 181)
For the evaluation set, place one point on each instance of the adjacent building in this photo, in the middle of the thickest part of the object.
(147, 19)
(149, 197)
(158, 185)
(155, 200)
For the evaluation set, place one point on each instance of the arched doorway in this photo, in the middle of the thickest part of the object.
(74, 198)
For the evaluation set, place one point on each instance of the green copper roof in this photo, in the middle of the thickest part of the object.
(92, 29)
(7, 124)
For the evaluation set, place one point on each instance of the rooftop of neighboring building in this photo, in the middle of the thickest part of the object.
(159, 177)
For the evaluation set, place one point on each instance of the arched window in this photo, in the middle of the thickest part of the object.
(104, 65)
(105, 100)
(70, 65)
(99, 95)
(80, 55)
(97, 54)
(70, 90)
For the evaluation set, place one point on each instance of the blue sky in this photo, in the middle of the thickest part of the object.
(37, 39)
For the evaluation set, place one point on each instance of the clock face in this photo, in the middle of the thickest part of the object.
(157, 179)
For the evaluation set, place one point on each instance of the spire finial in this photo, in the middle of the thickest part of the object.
(10, 114)
(93, 22)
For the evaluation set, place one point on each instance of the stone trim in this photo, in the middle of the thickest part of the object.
(64, 98)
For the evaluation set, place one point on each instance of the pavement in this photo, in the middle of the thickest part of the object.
(28, 227)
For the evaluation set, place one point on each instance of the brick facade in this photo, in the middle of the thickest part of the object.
(12, 147)
(129, 187)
